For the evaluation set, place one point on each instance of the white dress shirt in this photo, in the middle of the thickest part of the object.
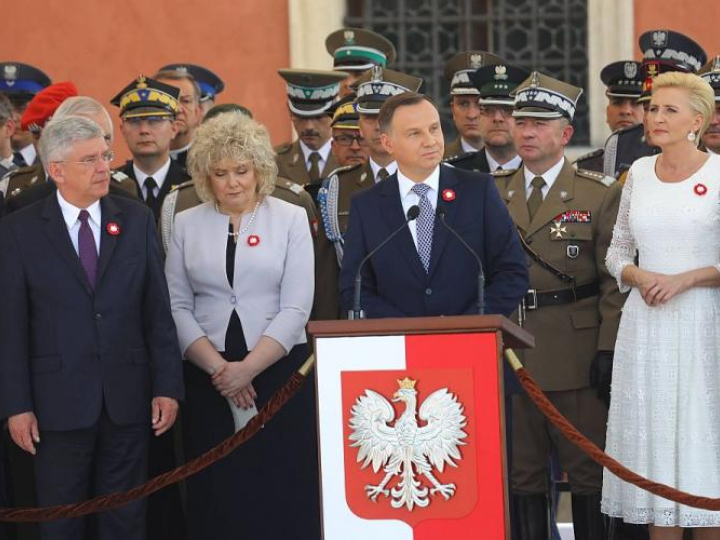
(29, 154)
(550, 176)
(324, 152)
(409, 198)
(391, 168)
(466, 146)
(70, 215)
(514, 163)
(159, 177)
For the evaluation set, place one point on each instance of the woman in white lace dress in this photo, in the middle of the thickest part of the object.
(664, 419)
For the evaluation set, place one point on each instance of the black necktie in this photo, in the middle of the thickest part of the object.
(19, 159)
(150, 198)
(382, 173)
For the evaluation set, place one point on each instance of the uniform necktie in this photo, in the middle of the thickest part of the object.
(425, 224)
(382, 173)
(536, 196)
(314, 171)
(86, 248)
(150, 198)
(19, 159)
(499, 168)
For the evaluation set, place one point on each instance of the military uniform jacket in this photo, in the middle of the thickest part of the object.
(470, 161)
(572, 231)
(334, 205)
(592, 161)
(291, 164)
(454, 148)
(176, 175)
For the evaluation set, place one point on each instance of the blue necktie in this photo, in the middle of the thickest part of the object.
(425, 224)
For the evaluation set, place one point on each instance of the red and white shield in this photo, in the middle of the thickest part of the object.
(411, 437)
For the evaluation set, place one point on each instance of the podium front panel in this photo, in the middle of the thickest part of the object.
(412, 437)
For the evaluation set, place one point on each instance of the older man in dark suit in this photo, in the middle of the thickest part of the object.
(89, 360)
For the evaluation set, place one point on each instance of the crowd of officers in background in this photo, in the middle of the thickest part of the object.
(338, 153)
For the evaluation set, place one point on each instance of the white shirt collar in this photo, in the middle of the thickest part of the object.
(324, 152)
(514, 163)
(175, 153)
(406, 185)
(550, 176)
(159, 175)
(391, 168)
(466, 146)
(29, 154)
(71, 212)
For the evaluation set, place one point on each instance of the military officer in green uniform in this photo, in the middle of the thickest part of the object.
(711, 73)
(663, 50)
(565, 218)
(623, 82)
(356, 50)
(464, 99)
(494, 83)
(311, 94)
(373, 88)
(147, 122)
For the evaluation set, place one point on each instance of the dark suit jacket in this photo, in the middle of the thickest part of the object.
(64, 349)
(395, 283)
(176, 175)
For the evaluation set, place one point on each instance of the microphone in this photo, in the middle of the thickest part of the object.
(481, 274)
(356, 312)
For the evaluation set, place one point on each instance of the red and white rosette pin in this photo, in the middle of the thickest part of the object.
(253, 240)
(448, 195)
(700, 189)
(113, 228)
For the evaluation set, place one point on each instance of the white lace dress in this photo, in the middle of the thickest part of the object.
(664, 419)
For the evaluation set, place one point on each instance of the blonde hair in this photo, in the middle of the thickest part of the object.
(701, 96)
(235, 136)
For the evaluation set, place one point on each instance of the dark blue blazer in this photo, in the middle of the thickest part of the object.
(395, 283)
(66, 349)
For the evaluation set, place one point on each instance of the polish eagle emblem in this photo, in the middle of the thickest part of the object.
(406, 450)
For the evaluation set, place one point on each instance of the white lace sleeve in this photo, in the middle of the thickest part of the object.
(621, 252)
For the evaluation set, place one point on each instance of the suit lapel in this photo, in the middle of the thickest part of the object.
(296, 166)
(110, 214)
(365, 176)
(392, 212)
(175, 176)
(517, 201)
(448, 180)
(330, 166)
(554, 203)
(481, 162)
(57, 231)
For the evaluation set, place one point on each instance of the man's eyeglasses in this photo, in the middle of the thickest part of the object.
(490, 110)
(152, 121)
(93, 162)
(347, 140)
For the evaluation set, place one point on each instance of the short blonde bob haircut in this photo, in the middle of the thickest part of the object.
(235, 136)
(701, 96)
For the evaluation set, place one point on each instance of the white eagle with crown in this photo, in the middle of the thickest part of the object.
(408, 450)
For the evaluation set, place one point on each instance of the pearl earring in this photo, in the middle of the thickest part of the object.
(691, 136)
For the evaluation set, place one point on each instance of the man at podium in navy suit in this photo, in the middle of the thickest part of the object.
(425, 270)
(89, 360)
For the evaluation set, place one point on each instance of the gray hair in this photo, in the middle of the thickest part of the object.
(60, 135)
(5, 109)
(83, 106)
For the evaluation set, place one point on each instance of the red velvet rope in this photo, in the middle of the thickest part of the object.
(571, 433)
(114, 500)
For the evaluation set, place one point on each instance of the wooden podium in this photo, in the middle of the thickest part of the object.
(411, 427)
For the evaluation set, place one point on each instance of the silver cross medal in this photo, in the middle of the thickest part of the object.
(558, 229)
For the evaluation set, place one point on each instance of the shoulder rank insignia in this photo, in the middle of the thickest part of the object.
(344, 168)
(598, 177)
(590, 155)
(503, 172)
(297, 189)
(574, 216)
(119, 176)
(178, 187)
(283, 148)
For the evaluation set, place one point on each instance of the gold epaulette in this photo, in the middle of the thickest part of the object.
(607, 181)
(503, 172)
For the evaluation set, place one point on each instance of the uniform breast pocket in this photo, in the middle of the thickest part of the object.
(572, 241)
